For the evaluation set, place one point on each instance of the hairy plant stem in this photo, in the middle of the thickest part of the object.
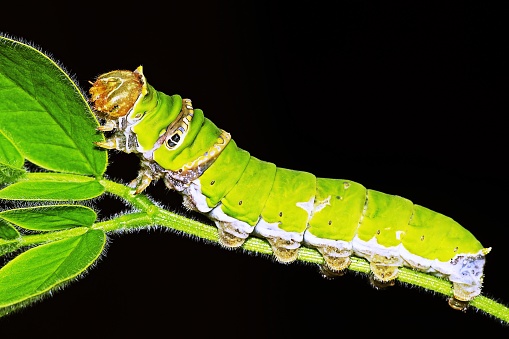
(164, 218)
(148, 214)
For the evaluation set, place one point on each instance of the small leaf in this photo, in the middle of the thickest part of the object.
(11, 161)
(8, 246)
(9, 174)
(9, 238)
(7, 232)
(45, 114)
(43, 268)
(50, 217)
(52, 186)
(9, 154)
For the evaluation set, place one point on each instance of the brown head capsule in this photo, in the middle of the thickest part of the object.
(115, 93)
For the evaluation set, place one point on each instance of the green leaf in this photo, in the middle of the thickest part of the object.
(52, 186)
(9, 154)
(43, 268)
(9, 238)
(8, 246)
(9, 174)
(45, 114)
(50, 217)
(11, 161)
(7, 232)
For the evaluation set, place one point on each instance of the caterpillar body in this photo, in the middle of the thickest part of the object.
(245, 196)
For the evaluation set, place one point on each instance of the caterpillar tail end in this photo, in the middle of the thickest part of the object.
(467, 280)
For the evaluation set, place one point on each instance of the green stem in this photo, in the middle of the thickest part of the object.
(138, 201)
(124, 222)
(151, 215)
(162, 217)
(406, 275)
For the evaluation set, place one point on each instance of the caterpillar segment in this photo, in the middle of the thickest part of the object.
(245, 196)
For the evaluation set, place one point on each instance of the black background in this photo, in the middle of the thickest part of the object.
(407, 98)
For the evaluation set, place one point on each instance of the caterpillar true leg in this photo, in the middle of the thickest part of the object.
(245, 196)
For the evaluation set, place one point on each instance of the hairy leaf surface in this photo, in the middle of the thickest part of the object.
(41, 269)
(44, 113)
(50, 217)
(52, 186)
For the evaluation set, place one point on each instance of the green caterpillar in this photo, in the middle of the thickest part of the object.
(245, 196)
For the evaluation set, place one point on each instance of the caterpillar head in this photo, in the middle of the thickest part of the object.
(115, 93)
